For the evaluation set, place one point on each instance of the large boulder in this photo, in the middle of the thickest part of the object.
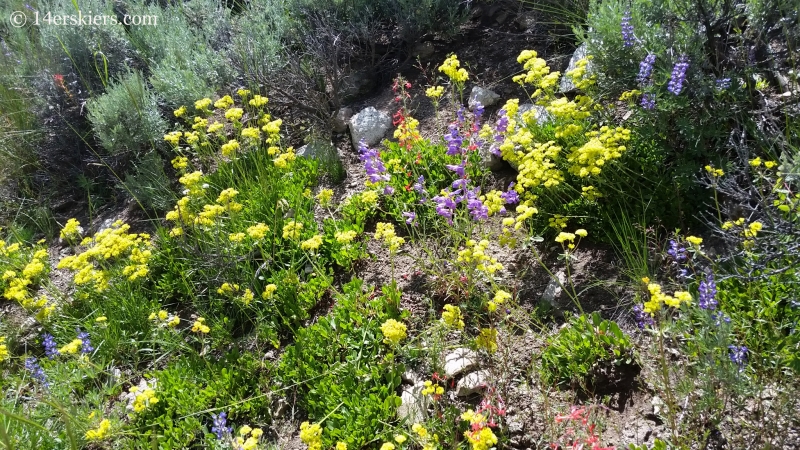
(370, 125)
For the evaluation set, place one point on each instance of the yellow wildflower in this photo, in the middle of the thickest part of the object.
(393, 331)
(345, 237)
(71, 348)
(324, 197)
(312, 244)
(487, 339)
(234, 114)
(258, 101)
(200, 326)
(694, 240)
(224, 102)
(180, 112)
(292, 230)
(269, 291)
(451, 68)
(258, 231)
(99, 433)
(451, 315)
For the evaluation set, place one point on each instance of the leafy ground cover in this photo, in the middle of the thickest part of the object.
(626, 279)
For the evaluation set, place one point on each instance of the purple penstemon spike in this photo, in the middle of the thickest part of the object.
(411, 217)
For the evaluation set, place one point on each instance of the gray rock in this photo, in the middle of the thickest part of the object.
(459, 361)
(526, 20)
(566, 84)
(485, 97)
(317, 150)
(552, 292)
(340, 119)
(540, 114)
(423, 51)
(370, 125)
(414, 406)
(473, 383)
(489, 160)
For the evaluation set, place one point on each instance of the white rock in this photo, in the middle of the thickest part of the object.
(485, 97)
(459, 361)
(566, 84)
(414, 405)
(473, 383)
(370, 125)
(553, 289)
(322, 151)
(540, 114)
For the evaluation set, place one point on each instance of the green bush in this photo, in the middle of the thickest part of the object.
(126, 119)
(148, 183)
(589, 353)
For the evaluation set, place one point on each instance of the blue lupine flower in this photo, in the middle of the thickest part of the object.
(646, 69)
(719, 318)
(50, 346)
(678, 75)
(86, 344)
(723, 84)
(220, 427)
(627, 30)
(676, 251)
(642, 318)
(648, 101)
(708, 293)
(738, 355)
(32, 366)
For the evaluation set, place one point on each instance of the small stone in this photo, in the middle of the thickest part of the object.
(410, 377)
(423, 51)
(340, 119)
(414, 405)
(460, 360)
(370, 125)
(473, 383)
(319, 150)
(526, 21)
(485, 97)
(553, 290)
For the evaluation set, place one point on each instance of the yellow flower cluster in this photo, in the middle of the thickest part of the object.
(557, 221)
(537, 167)
(109, 244)
(393, 331)
(537, 73)
(229, 149)
(603, 146)
(234, 114)
(506, 239)
(180, 112)
(715, 173)
(579, 75)
(3, 349)
(312, 244)
(749, 232)
(250, 442)
(143, 398)
(173, 137)
(385, 231)
(311, 435)
(71, 348)
(258, 231)
(285, 159)
(180, 162)
(224, 103)
(475, 255)
(590, 193)
(228, 289)
(452, 317)
(72, 230)
(432, 388)
(451, 68)
(216, 127)
(493, 201)
(434, 93)
(164, 318)
(427, 441)
(258, 101)
(694, 240)
(202, 104)
(292, 230)
(479, 435)
(487, 339)
(269, 291)
(345, 237)
(500, 297)
(657, 298)
(629, 96)
(200, 326)
(324, 197)
(99, 433)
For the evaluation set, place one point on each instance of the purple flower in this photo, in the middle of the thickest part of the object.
(646, 69)
(371, 158)
(454, 141)
(648, 101)
(460, 114)
(388, 190)
(410, 216)
(627, 30)
(642, 318)
(445, 204)
(220, 427)
(478, 111)
(510, 196)
(708, 292)
(678, 75)
(458, 169)
(723, 84)
(719, 318)
(32, 366)
(477, 209)
(738, 355)
(502, 122)
(676, 251)
(460, 183)
(50, 346)
(86, 344)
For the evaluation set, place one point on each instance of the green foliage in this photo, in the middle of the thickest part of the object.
(125, 119)
(581, 351)
(148, 183)
(342, 371)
